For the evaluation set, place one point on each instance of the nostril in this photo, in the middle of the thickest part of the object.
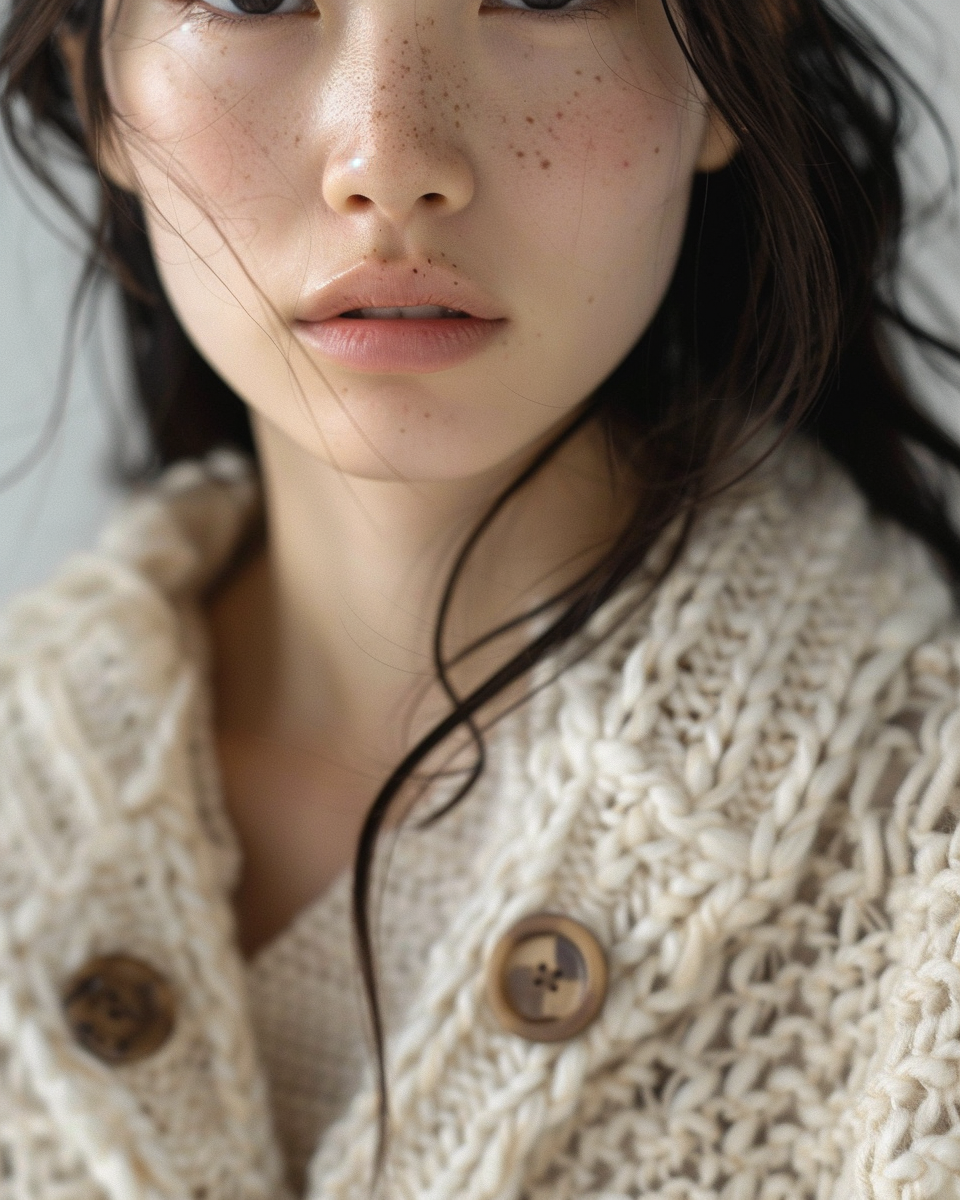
(432, 198)
(356, 202)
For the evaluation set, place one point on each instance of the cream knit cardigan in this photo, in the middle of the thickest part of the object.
(748, 793)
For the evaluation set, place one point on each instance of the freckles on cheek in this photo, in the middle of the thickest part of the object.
(590, 158)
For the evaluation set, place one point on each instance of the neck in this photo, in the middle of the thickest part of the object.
(349, 588)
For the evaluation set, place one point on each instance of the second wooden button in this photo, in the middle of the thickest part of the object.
(547, 978)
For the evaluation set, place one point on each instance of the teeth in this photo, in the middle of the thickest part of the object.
(420, 312)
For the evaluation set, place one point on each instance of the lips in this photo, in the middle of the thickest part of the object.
(400, 318)
(418, 312)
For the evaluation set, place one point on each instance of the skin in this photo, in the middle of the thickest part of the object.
(547, 159)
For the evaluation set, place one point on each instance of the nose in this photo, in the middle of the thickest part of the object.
(399, 183)
(399, 150)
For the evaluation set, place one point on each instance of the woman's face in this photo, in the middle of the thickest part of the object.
(530, 169)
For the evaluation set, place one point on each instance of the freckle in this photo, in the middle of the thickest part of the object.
(578, 72)
(529, 120)
(456, 124)
(545, 163)
(589, 299)
(426, 416)
(559, 116)
(625, 164)
(296, 140)
(656, 149)
(598, 79)
(520, 154)
(415, 271)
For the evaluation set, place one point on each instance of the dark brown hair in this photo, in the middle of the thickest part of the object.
(779, 313)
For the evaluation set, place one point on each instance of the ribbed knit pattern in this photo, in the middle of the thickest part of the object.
(306, 1011)
(748, 792)
(306, 1002)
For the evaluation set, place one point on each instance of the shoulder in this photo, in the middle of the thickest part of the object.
(165, 544)
(792, 616)
(111, 615)
(98, 678)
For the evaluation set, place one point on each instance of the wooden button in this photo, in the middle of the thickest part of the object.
(119, 1008)
(547, 978)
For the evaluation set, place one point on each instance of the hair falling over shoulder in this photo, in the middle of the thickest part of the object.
(779, 314)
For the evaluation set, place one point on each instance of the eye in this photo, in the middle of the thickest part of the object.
(543, 6)
(260, 8)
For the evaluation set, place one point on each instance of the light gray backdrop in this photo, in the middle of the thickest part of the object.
(59, 504)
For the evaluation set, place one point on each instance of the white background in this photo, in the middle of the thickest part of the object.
(59, 505)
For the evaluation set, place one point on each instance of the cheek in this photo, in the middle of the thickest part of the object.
(596, 182)
(597, 169)
(593, 169)
(209, 131)
(603, 156)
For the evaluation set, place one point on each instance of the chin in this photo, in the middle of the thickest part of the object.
(412, 449)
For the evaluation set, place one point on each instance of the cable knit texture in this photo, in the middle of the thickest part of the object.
(748, 792)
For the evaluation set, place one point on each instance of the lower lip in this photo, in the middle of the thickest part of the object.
(392, 347)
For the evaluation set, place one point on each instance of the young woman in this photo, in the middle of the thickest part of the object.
(516, 753)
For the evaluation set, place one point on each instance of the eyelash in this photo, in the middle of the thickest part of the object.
(203, 17)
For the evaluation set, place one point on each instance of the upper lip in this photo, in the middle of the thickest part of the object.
(405, 284)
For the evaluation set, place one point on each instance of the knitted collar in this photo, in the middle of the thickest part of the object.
(666, 791)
